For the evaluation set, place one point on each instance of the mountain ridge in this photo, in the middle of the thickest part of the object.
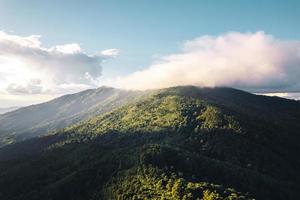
(176, 143)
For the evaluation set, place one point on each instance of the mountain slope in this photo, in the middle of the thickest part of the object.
(9, 109)
(178, 143)
(38, 119)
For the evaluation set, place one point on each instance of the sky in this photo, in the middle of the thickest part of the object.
(51, 48)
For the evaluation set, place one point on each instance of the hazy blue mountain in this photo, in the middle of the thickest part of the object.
(177, 143)
(8, 109)
(36, 120)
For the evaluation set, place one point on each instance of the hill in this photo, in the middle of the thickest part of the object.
(177, 143)
(8, 109)
(36, 120)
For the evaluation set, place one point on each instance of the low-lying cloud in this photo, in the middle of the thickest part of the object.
(287, 95)
(27, 67)
(256, 62)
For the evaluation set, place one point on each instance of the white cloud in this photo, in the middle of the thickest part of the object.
(32, 87)
(67, 48)
(32, 41)
(287, 95)
(251, 61)
(110, 52)
(27, 67)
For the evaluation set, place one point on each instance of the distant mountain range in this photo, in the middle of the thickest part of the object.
(36, 120)
(8, 109)
(175, 143)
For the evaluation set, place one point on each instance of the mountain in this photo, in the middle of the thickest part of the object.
(176, 143)
(8, 109)
(36, 120)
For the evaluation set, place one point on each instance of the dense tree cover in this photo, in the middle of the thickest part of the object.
(153, 183)
(179, 143)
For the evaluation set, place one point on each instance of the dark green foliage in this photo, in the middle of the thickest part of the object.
(179, 143)
(154, 183)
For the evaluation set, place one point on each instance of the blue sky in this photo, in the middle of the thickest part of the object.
(144, 29)
(161, 43)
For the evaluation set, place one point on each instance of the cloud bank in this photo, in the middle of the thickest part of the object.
(27, 67)
(255, 62)
(293, 95)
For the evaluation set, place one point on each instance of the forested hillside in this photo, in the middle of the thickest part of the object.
(177, 143)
